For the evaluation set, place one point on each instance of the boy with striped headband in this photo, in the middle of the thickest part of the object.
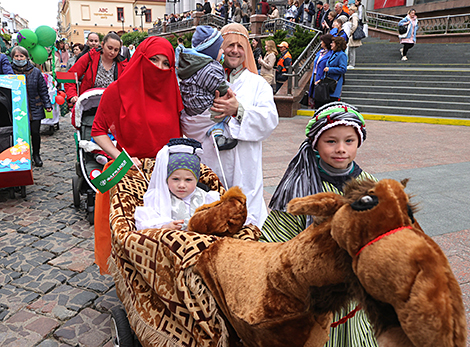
(324, 163)
(201, 75)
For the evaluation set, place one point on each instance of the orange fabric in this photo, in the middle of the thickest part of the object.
(281, 61)
(102, 229)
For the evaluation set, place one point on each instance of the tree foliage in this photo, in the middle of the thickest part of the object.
(134, 38)
(297, 42)
(187, 38)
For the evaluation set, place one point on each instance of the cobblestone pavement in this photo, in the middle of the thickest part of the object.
(51, 292)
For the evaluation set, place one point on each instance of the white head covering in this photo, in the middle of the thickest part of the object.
(157, 202)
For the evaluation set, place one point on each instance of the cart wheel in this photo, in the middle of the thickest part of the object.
(23, 191)
(11, 192)
(76, 191)
(91, 217)
(124, 337)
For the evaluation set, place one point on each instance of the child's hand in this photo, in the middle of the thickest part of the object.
(175, 224)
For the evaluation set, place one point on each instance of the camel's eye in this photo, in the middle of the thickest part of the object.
(365, 203)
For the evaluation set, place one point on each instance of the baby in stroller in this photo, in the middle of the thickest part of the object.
(173, 195)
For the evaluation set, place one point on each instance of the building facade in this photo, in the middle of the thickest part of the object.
(77, 18)
(12, 22)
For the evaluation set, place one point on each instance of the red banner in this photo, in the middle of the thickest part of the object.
(388, 3)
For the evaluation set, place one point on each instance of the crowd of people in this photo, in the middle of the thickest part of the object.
(219, 94)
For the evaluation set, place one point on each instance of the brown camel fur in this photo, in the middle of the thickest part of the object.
(224, 217)
(406, 284)
(280, 294)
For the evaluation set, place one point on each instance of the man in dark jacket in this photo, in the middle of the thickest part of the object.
(309, 8)
(339, 11)
(318, 16)
(207, 7)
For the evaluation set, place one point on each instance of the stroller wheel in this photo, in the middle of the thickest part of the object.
(76, 191)
(123, 334)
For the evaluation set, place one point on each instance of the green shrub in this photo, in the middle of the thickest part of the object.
(187, 37)
(134, 38)
(297, 43)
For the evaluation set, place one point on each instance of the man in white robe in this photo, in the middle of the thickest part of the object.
(253, 118)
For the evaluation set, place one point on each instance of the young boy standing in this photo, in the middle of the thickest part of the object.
(324, 163)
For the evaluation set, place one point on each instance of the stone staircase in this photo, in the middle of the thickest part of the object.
(434, 82)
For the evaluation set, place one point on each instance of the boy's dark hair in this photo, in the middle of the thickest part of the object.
(180, 40)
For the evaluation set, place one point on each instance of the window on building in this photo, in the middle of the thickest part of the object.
(148, 16)
(120, 13)
(85, 12)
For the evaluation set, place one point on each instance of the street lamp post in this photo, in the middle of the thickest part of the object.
(143, 11)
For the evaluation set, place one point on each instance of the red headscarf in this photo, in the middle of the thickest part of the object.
(143, 106)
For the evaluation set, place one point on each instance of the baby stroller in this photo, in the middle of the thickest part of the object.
(86, 166)
(150, 305)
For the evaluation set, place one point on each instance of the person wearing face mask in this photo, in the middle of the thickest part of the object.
(38, 96)
(99, 67)
(142, 111)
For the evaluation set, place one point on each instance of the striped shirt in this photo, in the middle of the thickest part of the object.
(283, 226)
(198, 91)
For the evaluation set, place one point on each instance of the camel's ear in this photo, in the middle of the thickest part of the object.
(320, 205)
(404, 182)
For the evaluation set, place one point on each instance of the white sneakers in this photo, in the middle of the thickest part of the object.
(404, 58)
(350, 67)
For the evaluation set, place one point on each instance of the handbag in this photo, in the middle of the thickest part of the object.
(359, 32)
(402, 29)
(323, 89)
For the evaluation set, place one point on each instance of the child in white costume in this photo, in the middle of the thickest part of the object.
(172, 196)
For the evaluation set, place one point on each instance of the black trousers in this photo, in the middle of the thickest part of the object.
(35, 136)
(407, 47)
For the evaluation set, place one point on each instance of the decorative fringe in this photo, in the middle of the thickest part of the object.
(196, 285)
(147, 335)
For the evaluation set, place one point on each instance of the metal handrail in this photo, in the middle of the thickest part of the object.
(451, 24)
(305, 60)
(269, 27)
(181, 25)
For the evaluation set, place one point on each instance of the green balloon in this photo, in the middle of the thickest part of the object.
(38, 54)
(46, 35)
(27, 38)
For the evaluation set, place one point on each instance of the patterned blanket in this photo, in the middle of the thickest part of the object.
(167, 304)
